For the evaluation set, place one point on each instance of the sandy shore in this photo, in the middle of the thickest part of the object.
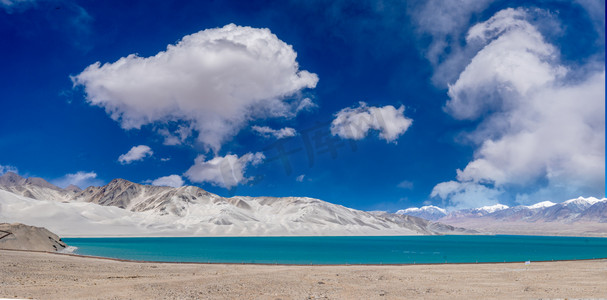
(53, 276)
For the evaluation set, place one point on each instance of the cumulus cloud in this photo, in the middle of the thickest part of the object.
(466, 194)
(538, 126)
(227, 171)
(6, 168)
(80, 179)
(515, 63)
(177, 136)
(135, 154)
(171, 180)
(267, 132)
(216, 80)
(306, 105)
(355, 123)
(443, 22)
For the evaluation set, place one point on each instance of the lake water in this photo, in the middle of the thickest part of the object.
(345, 250)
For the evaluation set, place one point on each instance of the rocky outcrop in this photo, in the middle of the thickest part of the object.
(34, 187)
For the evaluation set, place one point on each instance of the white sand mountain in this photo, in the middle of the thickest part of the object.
(23, 237)
(126, 208)
(423, 224)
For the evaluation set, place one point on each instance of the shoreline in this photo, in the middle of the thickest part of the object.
(489, 233)
(298, 265)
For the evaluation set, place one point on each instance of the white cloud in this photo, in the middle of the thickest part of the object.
(540, 130)
(227, 171)
(217, 80)
(510, 67)
(176, 137)
(171, 180)
(80, 179)
(267, 132)
(596, 11)
(355, 123)
(443, 22)
(6, 168)
(306, 105)
(135, 154)
(300, 178)
(466, 194)
(405, 184)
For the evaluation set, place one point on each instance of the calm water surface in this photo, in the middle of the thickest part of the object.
(345, 250)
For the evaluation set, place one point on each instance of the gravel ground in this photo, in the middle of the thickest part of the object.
(53, 276)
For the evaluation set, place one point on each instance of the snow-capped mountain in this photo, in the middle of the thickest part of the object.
(569, 211)
(491, 208)
(580, 216)
(540, 205)
(582, 203)
(572, 210)
(474, 212)
(597, 211)
(428, 212)
(125, 208)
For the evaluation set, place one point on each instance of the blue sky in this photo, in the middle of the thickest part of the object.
(369, 104)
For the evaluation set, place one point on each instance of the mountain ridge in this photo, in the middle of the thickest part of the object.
(190, 210)
(581, 216)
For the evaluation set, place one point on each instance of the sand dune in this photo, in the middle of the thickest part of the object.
(23, 237)
(202, 216)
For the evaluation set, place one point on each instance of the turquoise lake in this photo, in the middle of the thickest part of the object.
(344, 250)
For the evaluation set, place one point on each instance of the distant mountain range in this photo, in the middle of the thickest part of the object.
(574, 210)
(124, 208)
(429, 212)
(587, 216)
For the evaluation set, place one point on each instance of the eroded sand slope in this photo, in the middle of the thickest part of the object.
(23, 237)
